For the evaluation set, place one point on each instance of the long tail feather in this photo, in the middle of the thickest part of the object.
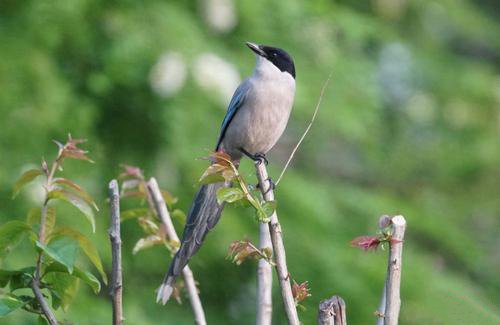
(203, 216)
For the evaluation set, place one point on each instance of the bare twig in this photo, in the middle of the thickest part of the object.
(307, 129)
(264, 280)
(278, 247)
(49, 314)
(332, 312)
(35, 285)
(381, 309)
(164, 216)
(116, 242)
(393, 281)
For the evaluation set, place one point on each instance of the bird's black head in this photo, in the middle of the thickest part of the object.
(280, 58)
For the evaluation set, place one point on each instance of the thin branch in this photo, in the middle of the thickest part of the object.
(307, 129)
(35, 285)
(381, 309)
(116, 252)
(393, 281)
(278, 247)
(164, 216)
(264, 280)
(332, 311)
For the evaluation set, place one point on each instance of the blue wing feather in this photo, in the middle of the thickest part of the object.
(236, 102)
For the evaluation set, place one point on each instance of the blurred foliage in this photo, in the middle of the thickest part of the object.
(409, 124)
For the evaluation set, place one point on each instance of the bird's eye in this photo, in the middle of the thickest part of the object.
(274, 54)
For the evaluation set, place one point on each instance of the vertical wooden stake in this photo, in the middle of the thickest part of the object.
(116, 253)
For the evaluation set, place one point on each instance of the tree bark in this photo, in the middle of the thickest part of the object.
(116, 253)
(393, 282)
(278, 247)
(332, 312)
(264, 280)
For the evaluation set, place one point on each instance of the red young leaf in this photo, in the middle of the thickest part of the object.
(241, 250)
(366, 242)
(131, 172)
(220, 157)
(71, 150)
(300, 291)
(395, 241)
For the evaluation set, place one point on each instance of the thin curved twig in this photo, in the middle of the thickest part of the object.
(307, 129)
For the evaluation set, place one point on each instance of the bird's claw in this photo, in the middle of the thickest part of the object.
(259, 158)
(271, 187)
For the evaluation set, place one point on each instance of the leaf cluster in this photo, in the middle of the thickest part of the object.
(241, 250)
(57, 247)
(223, 169)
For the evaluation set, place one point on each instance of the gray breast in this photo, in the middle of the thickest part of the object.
(263, 117)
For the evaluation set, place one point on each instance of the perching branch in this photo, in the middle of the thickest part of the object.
(162, 212)
(278, 247)
(306, 131)
(264, 280)
(116, 242)
(393, 280)
(332, 312)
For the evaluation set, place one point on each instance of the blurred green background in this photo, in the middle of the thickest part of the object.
(410, 123)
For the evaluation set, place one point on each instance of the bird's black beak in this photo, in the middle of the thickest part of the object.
(256, 48)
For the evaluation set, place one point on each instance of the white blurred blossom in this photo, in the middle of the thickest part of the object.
(168, 75)
(395, 74)
(220, 15)
(392, 9)
(459, 113)
(421, 108)
(215, 74)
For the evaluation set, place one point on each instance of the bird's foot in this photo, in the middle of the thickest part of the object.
(261, 158)
(272, 185)
(258, 158)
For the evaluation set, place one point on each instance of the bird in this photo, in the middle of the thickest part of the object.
(256, 118)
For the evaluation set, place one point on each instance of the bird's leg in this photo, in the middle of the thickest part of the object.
(258, 157)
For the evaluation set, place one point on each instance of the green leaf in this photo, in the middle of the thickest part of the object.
(25, 178)
(86, 245)
(212, 178)
(76, 201)
(62, 250)
(34, 216)
(11, 234)
(17, 278)
(87, 277)
(229, 194)
(179, 215)
(22, 278)
(134, 213)
(213, 174)
(147, 242)
(169, 198)
(77, 190)
(9, 304)
(266, 211)
(5, 277)
(42, 321)
(62, 287)
(269, 207)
